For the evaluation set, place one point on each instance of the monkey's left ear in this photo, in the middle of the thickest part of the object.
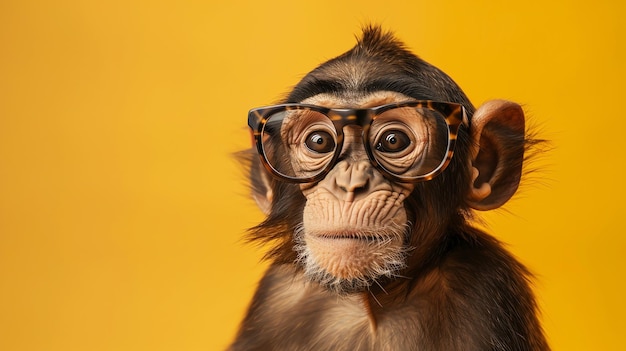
(497, 152)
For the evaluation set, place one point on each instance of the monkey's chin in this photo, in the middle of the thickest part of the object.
(350, 262)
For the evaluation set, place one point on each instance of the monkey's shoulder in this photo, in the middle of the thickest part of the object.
(483, 291)
(482, 258)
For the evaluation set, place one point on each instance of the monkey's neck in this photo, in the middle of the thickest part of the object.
(366, 298)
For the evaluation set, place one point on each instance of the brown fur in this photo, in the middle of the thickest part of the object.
(476, 297)
(460, 289)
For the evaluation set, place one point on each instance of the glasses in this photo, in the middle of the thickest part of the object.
(408, 141)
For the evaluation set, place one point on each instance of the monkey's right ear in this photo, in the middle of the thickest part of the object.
(261, 184)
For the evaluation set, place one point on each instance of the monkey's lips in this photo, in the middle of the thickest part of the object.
(352, 254)
(352, 236)
(340, 240)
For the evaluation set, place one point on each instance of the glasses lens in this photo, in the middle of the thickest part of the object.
(409, 142)
(299, 143)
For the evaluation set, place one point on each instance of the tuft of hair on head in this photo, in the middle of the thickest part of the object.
(375, 41)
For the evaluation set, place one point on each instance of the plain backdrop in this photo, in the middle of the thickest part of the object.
(122, 210)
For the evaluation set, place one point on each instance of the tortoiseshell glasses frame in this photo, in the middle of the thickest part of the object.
(454, 114)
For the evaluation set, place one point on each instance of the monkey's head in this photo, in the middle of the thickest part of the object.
(372, 159)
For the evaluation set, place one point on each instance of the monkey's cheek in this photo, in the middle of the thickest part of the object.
(346, 258)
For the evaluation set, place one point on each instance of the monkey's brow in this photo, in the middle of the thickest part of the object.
(318, 86)
(408, 87)
(398, 83)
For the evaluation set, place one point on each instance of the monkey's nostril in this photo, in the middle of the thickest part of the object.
(354, 186)
(361, 187)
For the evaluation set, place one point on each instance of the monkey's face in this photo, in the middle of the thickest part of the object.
(358, 158)
(355, 225)
(362, 134)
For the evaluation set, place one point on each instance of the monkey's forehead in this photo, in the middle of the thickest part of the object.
(338, 100)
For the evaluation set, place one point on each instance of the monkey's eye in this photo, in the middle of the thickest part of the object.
(393, 141)
(320, 141)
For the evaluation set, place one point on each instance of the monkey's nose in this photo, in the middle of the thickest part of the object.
(353, 179)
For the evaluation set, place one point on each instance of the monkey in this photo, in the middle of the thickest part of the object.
(370, 172)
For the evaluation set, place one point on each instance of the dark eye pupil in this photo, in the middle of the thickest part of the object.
(393, 141)
(320, 141)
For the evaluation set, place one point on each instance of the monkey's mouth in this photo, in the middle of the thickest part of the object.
(339, 259)
(353, 236)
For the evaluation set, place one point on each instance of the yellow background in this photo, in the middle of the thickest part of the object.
(122, 211)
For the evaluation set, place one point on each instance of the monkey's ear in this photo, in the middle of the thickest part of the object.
(497, 153)
(261, 184)
(260, 181)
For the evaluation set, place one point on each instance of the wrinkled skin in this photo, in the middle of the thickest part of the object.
(354, 221)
